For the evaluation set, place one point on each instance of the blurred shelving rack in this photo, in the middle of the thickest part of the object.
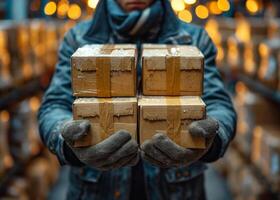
(12, 95)
(260, 88)
(17, 169)
(20, 91)
(252, 84)
(241, 146)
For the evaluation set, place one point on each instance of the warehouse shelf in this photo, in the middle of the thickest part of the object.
(260, 88)
(252, 84)
(17, 169)
(20, 91)
(239, 148)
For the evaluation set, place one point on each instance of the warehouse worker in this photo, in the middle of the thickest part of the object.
(117, 168)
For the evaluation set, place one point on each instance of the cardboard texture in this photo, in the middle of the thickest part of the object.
(106, 115)
(172, 70)
(104, 71)
(171, 115)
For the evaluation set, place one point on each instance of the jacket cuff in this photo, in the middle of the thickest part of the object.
(56, 141)
(218, 147)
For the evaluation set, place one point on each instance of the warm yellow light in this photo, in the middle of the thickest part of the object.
(243, 31)
(4, 116)
(62, 8)
(214, 9)
(202, 11)
(178, 5)
(220, 54)
(185, 15)
(233, 52)
(50, 8)
(263, 50)
(249, 61)
(74, 12)
(92, 3)
(223, 5)
(34, 103)
(190, 2)
(212, 28)
(252, 6)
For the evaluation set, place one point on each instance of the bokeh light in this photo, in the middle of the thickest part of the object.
(190, 2)
(92, 3)
(252, 6)
(185, 15)
(223, 5)
(50, 8)
(202, 11)
(74, 12)
(178, 5)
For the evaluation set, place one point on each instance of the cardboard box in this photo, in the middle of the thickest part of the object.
(171, 115)
(106, 116)
(104, 71)
(172, 70)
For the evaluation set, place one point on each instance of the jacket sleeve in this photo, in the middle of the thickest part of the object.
(218, 102)
(57, 102)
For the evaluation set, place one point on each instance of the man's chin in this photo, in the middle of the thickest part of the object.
(136, 7)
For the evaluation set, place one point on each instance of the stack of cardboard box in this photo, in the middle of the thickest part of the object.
(104, 80)
(172, 83)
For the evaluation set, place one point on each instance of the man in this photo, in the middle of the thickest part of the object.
(117, 168)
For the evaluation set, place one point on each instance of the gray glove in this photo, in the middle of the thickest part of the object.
(163, 152)
(117, 151)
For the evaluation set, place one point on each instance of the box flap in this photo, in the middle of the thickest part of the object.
(120, 57)
(155, 56)
(89, 107)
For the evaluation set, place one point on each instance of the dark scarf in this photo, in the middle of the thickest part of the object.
(127, 26)
(169, 29)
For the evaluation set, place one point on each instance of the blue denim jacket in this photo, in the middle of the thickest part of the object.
(57, 107)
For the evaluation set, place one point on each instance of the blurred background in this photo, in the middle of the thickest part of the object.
(247, 36)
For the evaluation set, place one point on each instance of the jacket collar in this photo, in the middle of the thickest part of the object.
(99, 29)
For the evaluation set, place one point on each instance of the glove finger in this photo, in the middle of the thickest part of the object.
(204, 128)
(120, 163)
(110, 145)
(133, 161)
(149, 149)
(152, 160)
(170, 148)
(128, 149)
(75, 130)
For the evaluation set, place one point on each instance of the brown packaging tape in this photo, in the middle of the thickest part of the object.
(172, 72)
(106, 119)
(103, 73)
(173, 119)
(107, 49)
(172, 75)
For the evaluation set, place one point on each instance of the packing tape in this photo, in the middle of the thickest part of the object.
(103, 80)
(106, 119)
(103, 72)
(173, 119)
(173, 71)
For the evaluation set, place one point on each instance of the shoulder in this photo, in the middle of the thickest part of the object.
(75, 35)
(195, 31)
(81, 28)
(200, 37)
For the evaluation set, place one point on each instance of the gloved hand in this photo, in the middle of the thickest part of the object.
(163, 152)
(117, 151)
